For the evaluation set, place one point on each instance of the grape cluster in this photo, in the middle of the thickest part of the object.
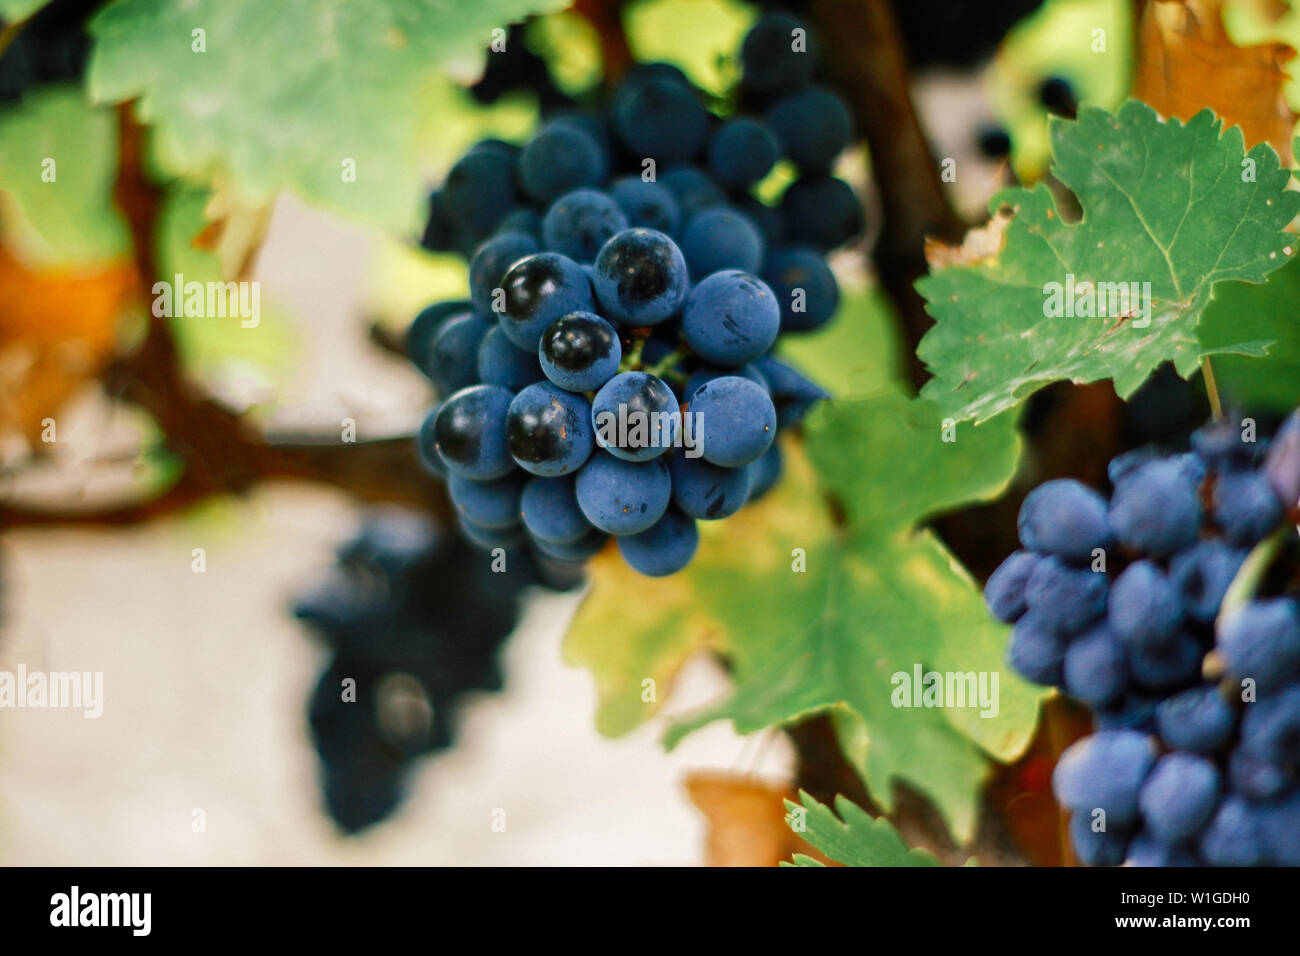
(52, 46)
(1196, 758)
(612, 371)
(415, 626)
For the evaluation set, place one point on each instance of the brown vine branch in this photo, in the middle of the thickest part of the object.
(222, 453)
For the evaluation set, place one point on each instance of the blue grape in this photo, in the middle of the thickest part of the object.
(580, 222)
(1282, 464)
(731, 318)
(765, 473)
(580, 549)
(741, 152)
(693, 190)
(490, 263)
(767, 218)
(792, 393)
(1279, 826)
(647, 205)
(1064, 518)
(501, 362)
(469, 432)
(1202, 574)
(813, 126)
(540, 289)
(1179, 796)
(1036, 651)
(1155, 509)
(661, 118)
(425, 327)
(641, 277)
(1105, 771)
(580, 352)
(706, 491)
(489, 539)
(1262, 641)
(656, 70)
(1065, 597)
(707, 373)
(549, 430)
(593, 124)
(636, 416)
(821, 211)
(804, 286)
(1097, 847)
(1232, 836)
(769, 58)
(734, 421)
(426, 445)
(623, 497)
(1146, 849)
(1095, 670)
(524, 220)
(1220, 442)
(1197, 719)
(718, 239)
(478, 194)
(487, 504)
(1271, 728)
(1004, 593)
(664, 548)
(1136, 712)
(549, 507)
(453, 357)
(1123, 465)
(1168, 665)
(1255, 777)
(1145, 607)
(560, 158)
(1245, 506)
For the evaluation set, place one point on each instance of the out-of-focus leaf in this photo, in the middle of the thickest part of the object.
(1061, 39)
(700, 36)
(1186, 62)
(58, 159)
(747, 824)
(294, 94)
(57, 331)
(857, 351)
(1269, 312)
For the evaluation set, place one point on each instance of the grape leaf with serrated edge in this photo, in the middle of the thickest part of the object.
(854, 838)
(1164, 203)
(879, 596)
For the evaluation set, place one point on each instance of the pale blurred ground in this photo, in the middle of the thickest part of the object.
(206, 675)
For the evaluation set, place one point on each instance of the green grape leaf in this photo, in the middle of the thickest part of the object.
(854, 838)
(13, 10)
(1173, 207)
(1266, 311)
(880, 598)
(250, 109)
(58, 160)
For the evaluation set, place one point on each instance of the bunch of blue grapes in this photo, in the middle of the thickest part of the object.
(413, 626)
(1120, 603)
(612, 373)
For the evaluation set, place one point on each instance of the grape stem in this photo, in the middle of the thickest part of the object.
(632, 358)
(664, 367)
(1211, 387)
(1252, 571)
